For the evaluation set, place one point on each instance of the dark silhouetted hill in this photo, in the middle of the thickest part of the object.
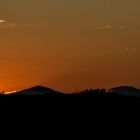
(46, 100)
(126, 90)
(38, 91)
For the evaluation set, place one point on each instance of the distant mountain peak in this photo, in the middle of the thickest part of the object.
(38, 90)
(126, 90)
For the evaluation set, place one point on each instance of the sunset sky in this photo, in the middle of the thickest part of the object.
(69, 45)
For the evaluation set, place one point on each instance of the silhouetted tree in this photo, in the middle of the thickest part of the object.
(97, 90)
(103, 90)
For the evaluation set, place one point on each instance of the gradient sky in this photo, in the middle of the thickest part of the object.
(69, 45)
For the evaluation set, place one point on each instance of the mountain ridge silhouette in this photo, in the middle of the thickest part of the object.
(47, 100)
(37, 90)
(42, 90)
(126, 90)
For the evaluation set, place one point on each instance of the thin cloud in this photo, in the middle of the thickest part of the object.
(130, 50)
(103, 27)
(12, 25)
(5, 24)
(121, 27)
(108, 27)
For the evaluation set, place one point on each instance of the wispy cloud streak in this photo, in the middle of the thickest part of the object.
(5, 25)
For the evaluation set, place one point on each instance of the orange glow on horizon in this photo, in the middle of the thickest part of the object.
(11, 92)
(93, 45)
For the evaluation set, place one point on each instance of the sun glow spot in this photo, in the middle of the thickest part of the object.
(11, 92)
(2, 21)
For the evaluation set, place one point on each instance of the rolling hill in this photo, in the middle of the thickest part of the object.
(38, 91)
(126, 90)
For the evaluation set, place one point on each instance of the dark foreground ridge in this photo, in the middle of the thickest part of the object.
(46, 100)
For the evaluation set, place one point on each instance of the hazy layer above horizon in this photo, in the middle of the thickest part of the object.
(69, 45)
